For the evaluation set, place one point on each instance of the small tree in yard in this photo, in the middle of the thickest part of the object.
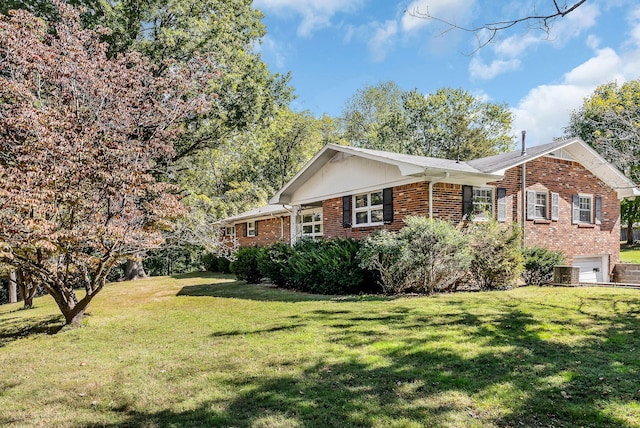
(80, 137)
(425, 256)
(497, 259)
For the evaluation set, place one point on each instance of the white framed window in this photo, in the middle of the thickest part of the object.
(311, 223)
(230, 231)
(540, 205)
(585, 208)
(251, 228)
(482, 203)
(367, 209)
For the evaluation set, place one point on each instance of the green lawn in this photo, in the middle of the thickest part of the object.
(629, 254)
(208, 351)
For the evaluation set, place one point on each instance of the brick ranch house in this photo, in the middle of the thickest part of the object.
(567, 194)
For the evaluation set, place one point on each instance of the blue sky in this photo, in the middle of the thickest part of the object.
(334, 47)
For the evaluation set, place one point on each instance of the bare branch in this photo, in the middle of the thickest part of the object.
(538, 21)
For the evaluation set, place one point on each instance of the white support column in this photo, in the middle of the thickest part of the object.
(295, 211)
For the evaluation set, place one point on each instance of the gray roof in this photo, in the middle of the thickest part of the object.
(264, 211)
(422, 161)
(509, 160)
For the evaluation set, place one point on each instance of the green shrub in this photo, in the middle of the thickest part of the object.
(425, 256)
(215, 263)
(539, 264)
(327, 267)
(496, 255)
(246, 265)
(273, 261)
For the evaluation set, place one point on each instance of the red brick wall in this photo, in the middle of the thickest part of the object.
(270, 231)
(566, 178)
(553, 175)
(409, 199)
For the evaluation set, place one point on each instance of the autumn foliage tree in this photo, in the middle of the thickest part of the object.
(81, 136)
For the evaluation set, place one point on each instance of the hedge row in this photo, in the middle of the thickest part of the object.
(423, 257)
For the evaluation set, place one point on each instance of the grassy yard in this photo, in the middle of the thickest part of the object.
(208, 351)
(629, 254)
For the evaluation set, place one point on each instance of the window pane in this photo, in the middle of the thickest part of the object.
(585, 216)
(317, 228)
(307, 230)
(307, 218)
(376, 198)
(541, 199)
(361, 201)
(376, 216)
(541, 211)
(317, 217)
(362, 217)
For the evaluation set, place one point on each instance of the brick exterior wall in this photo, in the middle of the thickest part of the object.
(543, 174)
(270, 231)
(566, 178)
(409, 199)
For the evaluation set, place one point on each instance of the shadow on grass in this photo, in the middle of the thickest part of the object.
(15, 328)
(241, 290)
(415, 379)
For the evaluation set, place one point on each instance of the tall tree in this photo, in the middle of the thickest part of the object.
(450, 123)
(609, 121)
(374, 118)
(80, 135)
(454, 124)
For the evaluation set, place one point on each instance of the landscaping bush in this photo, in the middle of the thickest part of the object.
(327, 267)
(273, 261)
(539, 264)
(496, 255)
(215, 263)
(246, 265)
(425, 256)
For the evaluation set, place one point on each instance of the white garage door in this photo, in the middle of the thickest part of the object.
(592, 269)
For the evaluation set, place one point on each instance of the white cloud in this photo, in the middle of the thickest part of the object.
(545, 111)
(382, 39)
(315, 14)
(480, 70)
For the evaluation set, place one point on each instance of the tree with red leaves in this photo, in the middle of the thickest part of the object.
(82, 137)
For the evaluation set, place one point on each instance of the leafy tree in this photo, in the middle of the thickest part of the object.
(426, 255)
(496, 256)
(450, 123)
(374, 118)
(453, 124)
(609, 121)
(80, 135)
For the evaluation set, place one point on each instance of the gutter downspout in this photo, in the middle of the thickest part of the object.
(431, 183)
(524, 189)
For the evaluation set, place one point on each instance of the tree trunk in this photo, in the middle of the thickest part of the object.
(630, 239)
(134, 269)
(13, 287)
(27, 287)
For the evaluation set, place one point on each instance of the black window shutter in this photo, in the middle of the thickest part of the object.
(387, 205)
(598, 210)
(255, 228)
(575, 202)
(245, 229)
(502, 204)
(346, 211)
(467, 202)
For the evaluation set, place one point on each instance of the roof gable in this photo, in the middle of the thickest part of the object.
(474, 172)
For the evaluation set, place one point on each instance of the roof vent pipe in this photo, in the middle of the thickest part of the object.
(524, 147)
